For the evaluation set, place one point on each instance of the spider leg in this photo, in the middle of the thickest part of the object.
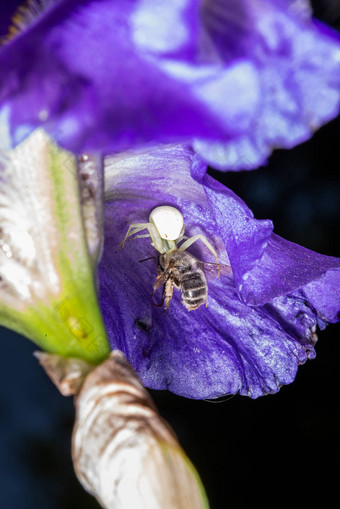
(138, 227)
(144, 235)
(181, 238)
(201, 237)
(181, 235)
(133, 228)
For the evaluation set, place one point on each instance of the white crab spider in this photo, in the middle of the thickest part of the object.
(166, 229)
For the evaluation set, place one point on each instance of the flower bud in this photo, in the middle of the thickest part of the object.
(50, 240)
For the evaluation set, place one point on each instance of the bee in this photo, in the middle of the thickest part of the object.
(182, 270)
(176, 267)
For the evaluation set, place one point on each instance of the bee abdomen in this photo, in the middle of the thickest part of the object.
(194, 292)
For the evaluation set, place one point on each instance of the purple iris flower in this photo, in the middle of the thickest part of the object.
(232, 78)
(235, 78)
(260, 322)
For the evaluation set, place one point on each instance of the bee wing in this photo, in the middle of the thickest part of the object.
(219, 269)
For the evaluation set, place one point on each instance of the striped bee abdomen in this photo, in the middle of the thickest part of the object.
(194, 290)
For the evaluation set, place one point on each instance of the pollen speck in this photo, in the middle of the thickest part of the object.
(76, 327)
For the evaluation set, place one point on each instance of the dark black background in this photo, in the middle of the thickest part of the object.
(281, 449)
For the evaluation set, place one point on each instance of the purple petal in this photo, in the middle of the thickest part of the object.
(240, 77)
(244, 237)
(91, 74)
(324, 295)
(225, 348)
(229, 346)
(298, 65)
(284, 267)
(211, 208)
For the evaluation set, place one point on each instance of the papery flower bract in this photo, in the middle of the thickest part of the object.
(235, 77)
(124, 453)
(260, 322)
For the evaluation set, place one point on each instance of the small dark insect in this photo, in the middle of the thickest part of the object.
(182, 270)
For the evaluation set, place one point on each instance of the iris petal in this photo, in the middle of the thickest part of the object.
(229, 346)
(236, 78)
(284, 267)
(297, 61)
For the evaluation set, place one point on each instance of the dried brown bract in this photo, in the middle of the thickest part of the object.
(124, 453)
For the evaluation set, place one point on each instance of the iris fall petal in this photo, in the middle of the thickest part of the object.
(229, 346)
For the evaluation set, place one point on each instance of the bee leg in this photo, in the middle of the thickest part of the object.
(159, 281)
(157, 305)
(201, 237)
(168, 292)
